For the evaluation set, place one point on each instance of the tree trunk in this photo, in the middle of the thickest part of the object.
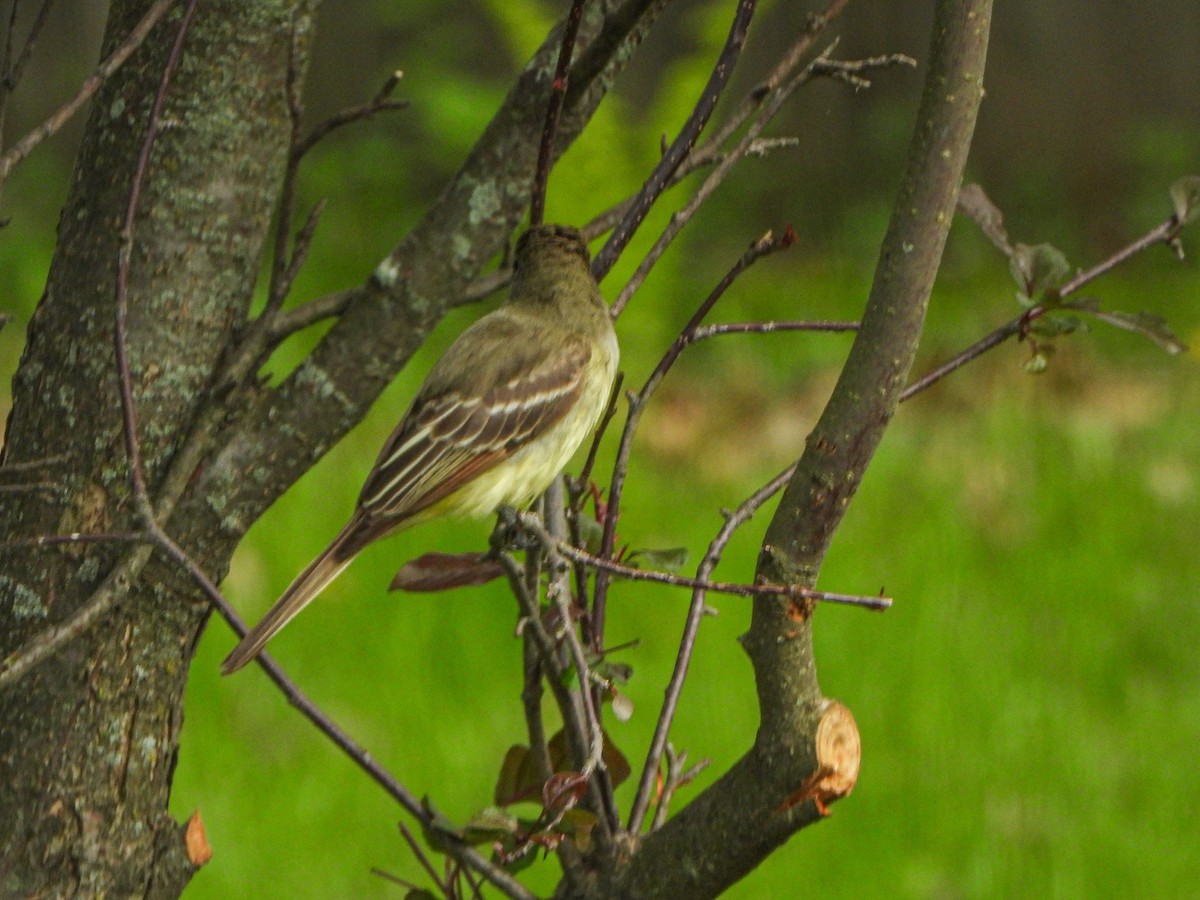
(88, 740)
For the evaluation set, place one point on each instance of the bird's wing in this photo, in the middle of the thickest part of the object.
(451, 436)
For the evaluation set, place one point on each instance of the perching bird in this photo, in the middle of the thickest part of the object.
(497, 418)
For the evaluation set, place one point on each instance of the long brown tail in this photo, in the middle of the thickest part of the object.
(314, 579)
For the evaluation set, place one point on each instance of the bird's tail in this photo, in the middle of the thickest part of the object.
(314, 579)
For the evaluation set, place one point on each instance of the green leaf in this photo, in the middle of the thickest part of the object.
(1037, 363)
(1054, 326)
(489, 825)
(1146, 324)
(671, 559)
(440, 831)
(591, 533)
(1038, 269)
(1185, 197)
(577, 824)
(614, 672)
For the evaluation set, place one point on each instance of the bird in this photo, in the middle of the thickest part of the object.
(496, 419)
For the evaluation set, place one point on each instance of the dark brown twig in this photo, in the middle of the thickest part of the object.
(558, 93)
(381, 102)
(10, 75)
(611, 567)
(137, 478)
(422, 857)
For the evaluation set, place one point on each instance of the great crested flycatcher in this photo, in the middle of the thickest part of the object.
(497, 418)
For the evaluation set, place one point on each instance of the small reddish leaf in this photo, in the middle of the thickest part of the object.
(518, 777)
(563, 791)
(443, 571)
(615, 762)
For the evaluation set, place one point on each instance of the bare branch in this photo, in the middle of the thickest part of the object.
(381, 102)
(851, 71)
(630, 573)
(558, 93)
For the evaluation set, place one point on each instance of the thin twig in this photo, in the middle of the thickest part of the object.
(677, 776)
(87, 90)
(764, 245)
(422, 857)
(558, 93)
(137, 478)
(656, 183)
(850, 71)
(813, 28)
(687, 641)
(381, 102)
(288, 322)
(611, 567)
(278, 288)
(12, 71)
(724, 167)
(465, 854)
(48, 641)
(708, 331)
(559, 592)
(531, 622)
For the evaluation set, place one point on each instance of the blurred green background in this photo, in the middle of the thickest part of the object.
(1030, 708)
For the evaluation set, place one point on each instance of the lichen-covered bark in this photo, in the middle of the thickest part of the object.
(88, 739)
(753, 808)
